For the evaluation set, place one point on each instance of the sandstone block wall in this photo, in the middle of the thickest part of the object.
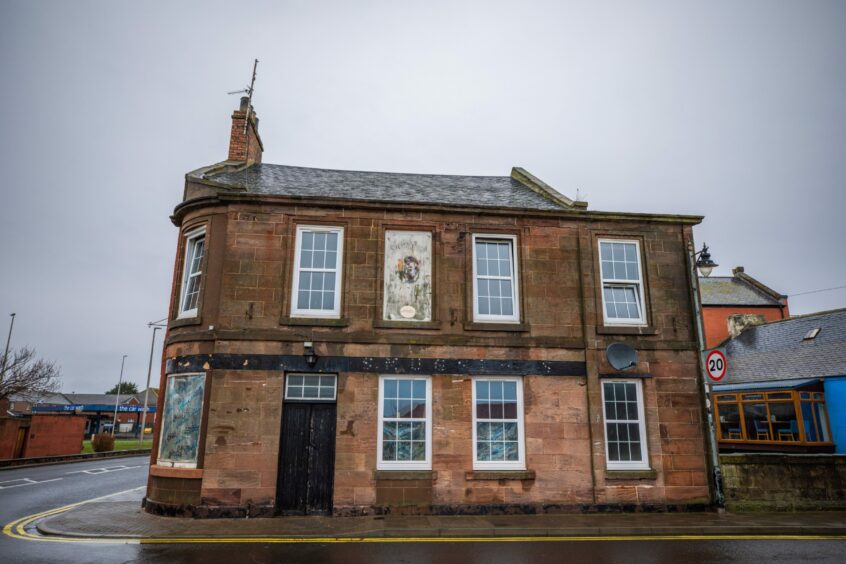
(784, 481)
(245, 309)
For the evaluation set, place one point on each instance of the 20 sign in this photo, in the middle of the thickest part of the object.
(715, 364)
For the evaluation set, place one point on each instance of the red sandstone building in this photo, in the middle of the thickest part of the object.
(354, 342)
(730, 303)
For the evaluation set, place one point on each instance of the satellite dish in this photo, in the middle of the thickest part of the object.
(621, 356)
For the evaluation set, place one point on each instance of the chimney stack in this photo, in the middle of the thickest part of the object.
(245, 147)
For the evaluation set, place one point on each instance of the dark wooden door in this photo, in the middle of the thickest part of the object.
(306, 459)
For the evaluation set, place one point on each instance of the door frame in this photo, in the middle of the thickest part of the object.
(310, 402)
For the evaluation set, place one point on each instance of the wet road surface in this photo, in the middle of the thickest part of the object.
(27, 491)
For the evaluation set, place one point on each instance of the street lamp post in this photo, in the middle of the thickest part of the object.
(117, 398)
(8, 340)
(702, 261)
(155, 325)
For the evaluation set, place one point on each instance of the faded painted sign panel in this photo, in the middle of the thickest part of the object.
(408, 276)
(183, 412)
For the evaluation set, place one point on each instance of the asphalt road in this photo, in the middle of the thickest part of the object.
(27, 491)
(24, 491)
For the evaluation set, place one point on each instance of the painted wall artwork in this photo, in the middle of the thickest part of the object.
(408, 276)
(183, 413)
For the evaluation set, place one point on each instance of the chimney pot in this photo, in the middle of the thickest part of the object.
(245, 103)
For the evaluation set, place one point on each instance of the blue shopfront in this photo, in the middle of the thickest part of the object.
(100, 416)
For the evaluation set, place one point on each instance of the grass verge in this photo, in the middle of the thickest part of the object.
(120, 444)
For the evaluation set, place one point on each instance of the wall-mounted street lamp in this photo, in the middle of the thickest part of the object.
(704, 264)
(309, 354)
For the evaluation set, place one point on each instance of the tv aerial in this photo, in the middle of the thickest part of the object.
(249, 92)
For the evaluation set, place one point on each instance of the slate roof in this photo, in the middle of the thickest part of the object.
(731, 290)
(778, 351)
(50, 399)
(472, 191)
(109, 399)
(152, 398)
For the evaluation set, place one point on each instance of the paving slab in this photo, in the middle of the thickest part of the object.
(123, 518)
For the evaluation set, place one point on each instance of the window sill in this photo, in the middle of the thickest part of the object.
(397, 324)
(185, 321)
(625, 330)
(175, 472)
(315, 321)
(647, 474)
(496, 326)
(500, 475)
(405, 475)
(624, 375)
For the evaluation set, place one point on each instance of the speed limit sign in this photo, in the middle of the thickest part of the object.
(715, 364)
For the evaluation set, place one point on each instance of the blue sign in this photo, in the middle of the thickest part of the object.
(94, 407)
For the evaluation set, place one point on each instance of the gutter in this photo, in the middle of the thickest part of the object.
(237, 196)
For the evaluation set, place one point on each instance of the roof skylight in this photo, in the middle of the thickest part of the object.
(811, 334)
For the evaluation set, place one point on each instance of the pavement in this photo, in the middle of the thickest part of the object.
(121, 517)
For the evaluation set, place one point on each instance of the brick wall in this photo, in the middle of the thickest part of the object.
(715, 320)
(9, 435)
(46, 435)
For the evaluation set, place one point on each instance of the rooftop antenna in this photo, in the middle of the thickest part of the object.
(249, 92)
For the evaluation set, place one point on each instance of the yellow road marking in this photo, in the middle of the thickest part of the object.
(385, 540)
(17, 529)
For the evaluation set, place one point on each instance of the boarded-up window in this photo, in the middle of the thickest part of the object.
(183, 414)
(408, 276)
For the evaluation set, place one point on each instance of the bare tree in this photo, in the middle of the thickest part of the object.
(27, 376)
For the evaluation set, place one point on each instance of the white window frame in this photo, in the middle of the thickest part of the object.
(288, 387)
(163, 431)
(191, 239)
(404, 464)
(515, 284)
(520, 463)
(335, 312)
(638, 285)
(643, 464)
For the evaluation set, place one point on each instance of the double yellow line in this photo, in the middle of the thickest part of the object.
(18, 529)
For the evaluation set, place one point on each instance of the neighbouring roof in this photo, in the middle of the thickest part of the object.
(79, 399)
(50, 399)
(733, 291)
(470, 191)
(779, 350)
(151, 399)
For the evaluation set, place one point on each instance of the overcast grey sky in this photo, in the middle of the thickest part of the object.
(733, 110)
